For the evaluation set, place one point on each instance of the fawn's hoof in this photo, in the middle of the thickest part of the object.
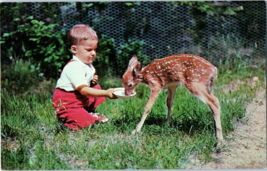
(133, 132)
(221, 143)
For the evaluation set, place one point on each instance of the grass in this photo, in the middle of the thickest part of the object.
(33, 139)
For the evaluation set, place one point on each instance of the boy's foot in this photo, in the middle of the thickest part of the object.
(100, 118)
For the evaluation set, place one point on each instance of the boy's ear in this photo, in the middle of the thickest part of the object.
(73, 48)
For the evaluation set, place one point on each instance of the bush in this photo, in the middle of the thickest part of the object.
(19, 76)
(126, 52)
(105, 60)
(36, 42)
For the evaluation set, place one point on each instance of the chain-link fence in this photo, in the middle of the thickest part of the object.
(165, 28)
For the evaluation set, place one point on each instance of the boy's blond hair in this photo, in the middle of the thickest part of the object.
(81, 32)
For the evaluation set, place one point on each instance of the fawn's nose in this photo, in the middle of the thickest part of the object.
(128, 93)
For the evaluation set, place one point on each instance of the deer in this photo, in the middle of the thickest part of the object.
(194, 72)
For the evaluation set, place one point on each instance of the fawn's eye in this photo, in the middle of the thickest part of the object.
(130, 85)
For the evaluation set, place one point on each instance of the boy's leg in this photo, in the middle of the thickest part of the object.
(76, 118)
(93, 103)
(69, 109)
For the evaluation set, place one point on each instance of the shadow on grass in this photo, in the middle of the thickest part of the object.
(158, 125)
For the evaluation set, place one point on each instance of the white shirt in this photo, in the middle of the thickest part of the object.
(74, 74)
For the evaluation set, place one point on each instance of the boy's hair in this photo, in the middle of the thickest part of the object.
(81, 32)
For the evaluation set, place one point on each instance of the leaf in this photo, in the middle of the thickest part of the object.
(129, 4)
(229, 11)
(23, 48)
(32, 68)
(34, 39)
(16, 19)
(29, 18)
(47, 60)
(89, 5)
(28, 53)
(6, 83)
(6, 34)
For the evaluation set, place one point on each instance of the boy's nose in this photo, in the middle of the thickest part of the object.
(94, 52)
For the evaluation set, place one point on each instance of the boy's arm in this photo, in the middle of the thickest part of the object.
(87, 91)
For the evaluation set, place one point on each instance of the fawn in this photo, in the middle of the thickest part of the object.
(194, 72)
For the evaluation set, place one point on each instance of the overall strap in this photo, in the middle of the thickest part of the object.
(65, 65)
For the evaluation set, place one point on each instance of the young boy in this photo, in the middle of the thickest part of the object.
(77, 93)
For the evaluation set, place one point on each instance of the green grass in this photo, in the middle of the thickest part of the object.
(33, 139)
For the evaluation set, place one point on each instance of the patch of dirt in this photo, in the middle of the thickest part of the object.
(246, 146)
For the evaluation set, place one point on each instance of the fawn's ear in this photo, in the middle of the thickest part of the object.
(137, 69)
(132, 62)
(134, 65)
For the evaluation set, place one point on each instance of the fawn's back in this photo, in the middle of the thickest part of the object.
(181, 68)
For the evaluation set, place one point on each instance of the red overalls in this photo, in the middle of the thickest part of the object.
(72, 107)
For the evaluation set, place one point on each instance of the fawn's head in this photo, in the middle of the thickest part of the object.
(131, 77)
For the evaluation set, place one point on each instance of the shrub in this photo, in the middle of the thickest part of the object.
(129, 49)
(36, 42)
(105, 61)
(19, 76)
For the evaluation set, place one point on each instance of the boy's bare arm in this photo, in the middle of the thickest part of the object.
(87, 91)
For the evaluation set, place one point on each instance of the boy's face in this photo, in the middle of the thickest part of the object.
(85, 51)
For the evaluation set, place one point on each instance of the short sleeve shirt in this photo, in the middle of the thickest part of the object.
(74, 74)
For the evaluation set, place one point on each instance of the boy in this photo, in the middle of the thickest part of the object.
(77, 93)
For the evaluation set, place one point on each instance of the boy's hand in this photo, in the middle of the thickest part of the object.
(110, 93)
(94, 80)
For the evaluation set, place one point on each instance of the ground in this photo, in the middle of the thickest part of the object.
(246, 146)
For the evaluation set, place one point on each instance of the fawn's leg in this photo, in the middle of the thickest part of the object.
(153, 96)
(171, 93)
(214, 105)
(203, 93)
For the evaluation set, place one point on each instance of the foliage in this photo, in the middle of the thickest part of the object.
(38, 44)
(99, 5)
(50, 13)
(127, 51)
(132, 4)
(254, 29)
(211, 8)
(206, 12)
(40, 40)
(19, 77)
(106, 56)
(10, 11)
(229, 52)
